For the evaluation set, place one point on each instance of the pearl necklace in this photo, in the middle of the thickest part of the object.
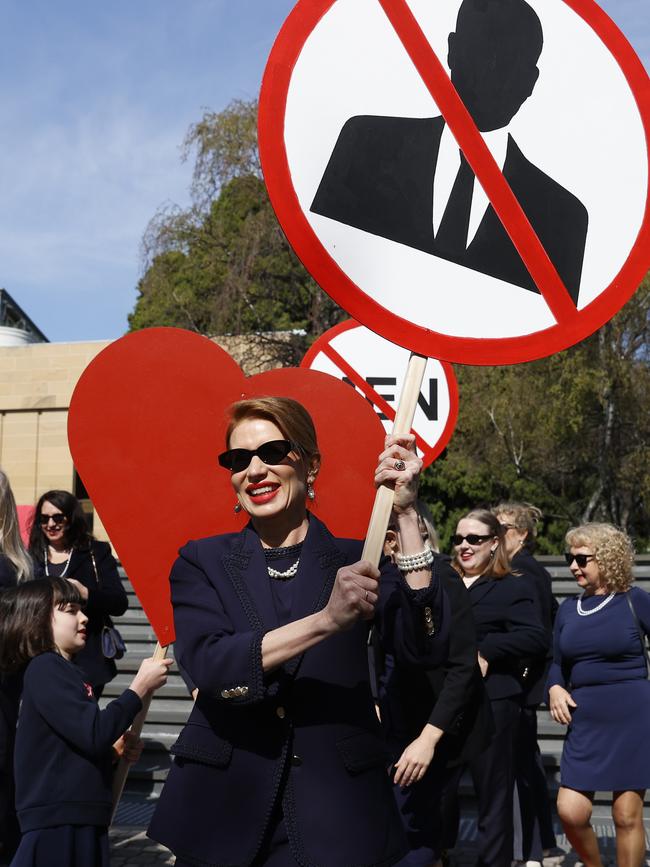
(288, 573)
(583, 613)
(65, 569)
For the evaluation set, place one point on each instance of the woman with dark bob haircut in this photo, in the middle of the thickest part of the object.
(599, 687)
(282, 761)
(62, 547)
(508, 628)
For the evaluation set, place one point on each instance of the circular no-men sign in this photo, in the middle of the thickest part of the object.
(376, 369)
(468, 178)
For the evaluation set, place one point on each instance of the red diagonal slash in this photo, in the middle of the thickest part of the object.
(478, 155)
(369, 392)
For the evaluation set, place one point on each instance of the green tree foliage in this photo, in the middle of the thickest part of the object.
(570, 433)
(223, 266)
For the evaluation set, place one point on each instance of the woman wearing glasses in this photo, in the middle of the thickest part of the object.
(533, 804)
(282, 761)
(62, 547)
(599, 687)
(508, 628)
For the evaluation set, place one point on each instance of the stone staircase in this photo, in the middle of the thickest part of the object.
(172, 704)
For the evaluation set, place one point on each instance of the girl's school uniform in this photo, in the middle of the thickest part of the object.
(63, 765)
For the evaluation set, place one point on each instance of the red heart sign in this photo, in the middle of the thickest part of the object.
(147, 421)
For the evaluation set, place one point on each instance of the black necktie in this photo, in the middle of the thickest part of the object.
(451, 240)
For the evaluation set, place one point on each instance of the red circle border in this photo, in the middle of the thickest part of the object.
(443, 440)
(466, 350)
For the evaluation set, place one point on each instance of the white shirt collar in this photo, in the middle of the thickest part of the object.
(447, 168)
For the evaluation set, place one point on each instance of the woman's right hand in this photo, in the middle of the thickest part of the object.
(354, 595)
(560, 702)
(151, 675)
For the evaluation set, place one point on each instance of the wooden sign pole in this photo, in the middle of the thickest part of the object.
(122, 770)
(374, 545)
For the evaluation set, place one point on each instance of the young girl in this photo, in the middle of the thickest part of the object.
(64, 742)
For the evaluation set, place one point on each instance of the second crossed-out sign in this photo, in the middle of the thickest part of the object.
(469, 179)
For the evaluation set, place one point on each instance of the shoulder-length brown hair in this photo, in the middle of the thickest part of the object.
(26, 619)
(499, 565)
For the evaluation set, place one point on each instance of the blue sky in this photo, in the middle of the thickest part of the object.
(97, 97)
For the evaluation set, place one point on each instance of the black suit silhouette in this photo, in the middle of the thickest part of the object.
(380, 179)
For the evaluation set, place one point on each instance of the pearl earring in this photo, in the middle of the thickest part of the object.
(237, 508)
(310, 492)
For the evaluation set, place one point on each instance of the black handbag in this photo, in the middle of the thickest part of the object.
(113, 645)
(644, 647)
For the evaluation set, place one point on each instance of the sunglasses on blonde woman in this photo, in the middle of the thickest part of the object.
(581, 559)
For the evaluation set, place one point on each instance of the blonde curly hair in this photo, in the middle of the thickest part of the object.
(613, 551)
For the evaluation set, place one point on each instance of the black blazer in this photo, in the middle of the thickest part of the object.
(108, 598)
(305, 734)
(380, 179)
(542, 584)
(508, 628)
(450, 696)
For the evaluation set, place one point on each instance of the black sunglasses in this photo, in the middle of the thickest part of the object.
(581, 559)
(472, 539)
(58, 519)
(273, 452)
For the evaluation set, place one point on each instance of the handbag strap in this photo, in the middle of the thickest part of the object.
(644, 649)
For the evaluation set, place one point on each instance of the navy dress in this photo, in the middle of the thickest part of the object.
(598, 659)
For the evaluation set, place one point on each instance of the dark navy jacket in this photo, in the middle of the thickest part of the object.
(450, 696)
(108, 598)
(305, 733)
(63, 747)
(542, 585)
(508, 629)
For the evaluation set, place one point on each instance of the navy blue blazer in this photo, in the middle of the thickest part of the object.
(450, 696)
(63, 747)
(508, 629)
(105, 599)
(304, 735)
(542, 585)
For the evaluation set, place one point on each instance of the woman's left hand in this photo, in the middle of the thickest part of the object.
(412, 765)
(83, 590)
(399, 468)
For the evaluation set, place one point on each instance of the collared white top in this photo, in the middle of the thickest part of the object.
(447, 168)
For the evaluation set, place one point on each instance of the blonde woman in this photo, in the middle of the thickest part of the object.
(15, 562)
(599, 687)
(15, 567)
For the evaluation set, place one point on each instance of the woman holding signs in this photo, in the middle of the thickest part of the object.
(282, 761)
(600, 687)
